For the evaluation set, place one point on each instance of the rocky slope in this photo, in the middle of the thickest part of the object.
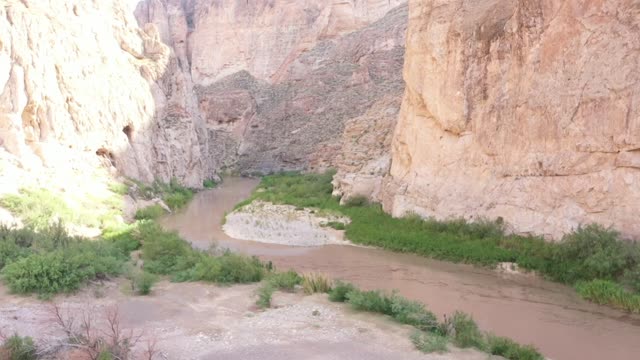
(524, 110)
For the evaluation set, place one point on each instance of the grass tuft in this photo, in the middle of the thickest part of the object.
(17, 347)
(285, 281)
(315, 283)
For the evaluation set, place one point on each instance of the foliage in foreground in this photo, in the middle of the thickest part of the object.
(165, 253)
(51, 261)
(590, 253)
(17, 347)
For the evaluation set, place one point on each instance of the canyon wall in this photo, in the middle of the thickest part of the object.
(187, 89)
(79, 77)
(525, 110)
(275, 81)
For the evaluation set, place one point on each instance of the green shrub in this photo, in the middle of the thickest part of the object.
(264, 296)
(413, 313)
(511, 350)
(17, 347)
(608, 292)
(593, 252)
(176, 195)
(315, 283)
(162, 251)
(151, 212)
(142, 282)
(125, 237)
(63, 269)
(429, 343)
(631, 278)
(10, 251)
(372, 301)
(209, 184)
(285, 281)
(339, 291)
(463, 330)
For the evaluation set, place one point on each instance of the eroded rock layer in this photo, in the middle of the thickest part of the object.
(525, 110)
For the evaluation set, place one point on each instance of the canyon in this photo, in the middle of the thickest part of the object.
(522, 111)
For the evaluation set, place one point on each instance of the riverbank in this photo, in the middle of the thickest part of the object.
(604, 267)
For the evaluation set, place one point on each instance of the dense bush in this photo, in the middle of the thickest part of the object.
(17, 347)
(510, 349)
(372, 301)
(413, 313)
(150, 212)
(142, 282)
(593, 252)
(51, 261)
(285, 280)
(63, 269)
(167, 254)
(340, 290)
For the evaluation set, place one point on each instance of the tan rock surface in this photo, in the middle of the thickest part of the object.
(525, 110)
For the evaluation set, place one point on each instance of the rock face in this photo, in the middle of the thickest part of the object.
(195, 86)
(275, 81)
(525, 110)
(79, 76)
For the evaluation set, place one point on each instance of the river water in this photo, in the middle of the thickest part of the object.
(528, 309)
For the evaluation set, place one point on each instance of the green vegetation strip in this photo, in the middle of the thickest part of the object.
(589, 254)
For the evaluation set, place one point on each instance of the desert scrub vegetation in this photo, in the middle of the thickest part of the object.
(51, 261)
(315, 283)
(590, 253)
(430, 335)
(284, 281)
(39, 207)
(16, 347)
(165, 253)
(150, 212)
(265, 292)
(173, 194)
(609, 293)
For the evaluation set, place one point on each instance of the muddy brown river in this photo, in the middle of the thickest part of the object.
(526, 308)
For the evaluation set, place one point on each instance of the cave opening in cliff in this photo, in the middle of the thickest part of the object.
(128, 130)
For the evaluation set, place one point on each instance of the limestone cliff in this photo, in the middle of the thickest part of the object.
(525, 110)
(275, 81)
(80, 76)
